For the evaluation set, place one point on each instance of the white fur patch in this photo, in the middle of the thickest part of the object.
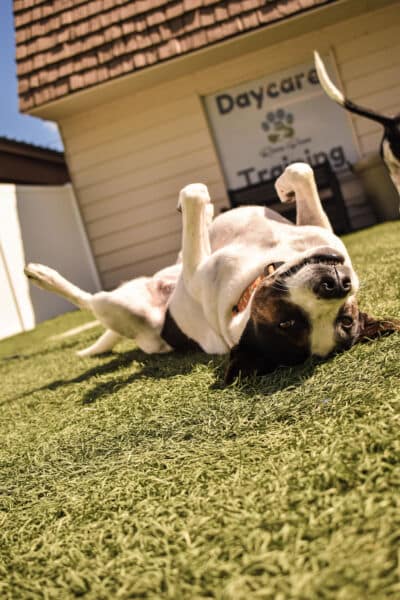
(322, 315)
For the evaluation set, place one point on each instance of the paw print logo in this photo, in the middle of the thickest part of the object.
(278, 125)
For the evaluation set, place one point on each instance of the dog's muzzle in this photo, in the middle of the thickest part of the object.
(327, 276)
(321, 256)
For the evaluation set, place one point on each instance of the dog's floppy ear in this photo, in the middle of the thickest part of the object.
(371, 328)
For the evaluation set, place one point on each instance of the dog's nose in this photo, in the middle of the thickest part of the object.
(333, 286)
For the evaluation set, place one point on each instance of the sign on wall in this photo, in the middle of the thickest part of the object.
(262, 126)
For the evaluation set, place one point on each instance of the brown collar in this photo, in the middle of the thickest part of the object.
(245, 297)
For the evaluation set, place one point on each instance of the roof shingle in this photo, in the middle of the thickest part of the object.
(64, 46)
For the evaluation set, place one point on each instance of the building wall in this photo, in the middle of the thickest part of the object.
(129, 158)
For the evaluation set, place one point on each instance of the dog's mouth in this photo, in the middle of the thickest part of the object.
(319, 258)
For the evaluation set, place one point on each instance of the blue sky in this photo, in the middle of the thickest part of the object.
(13, 124)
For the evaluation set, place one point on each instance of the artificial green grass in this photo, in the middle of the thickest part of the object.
(134, 476)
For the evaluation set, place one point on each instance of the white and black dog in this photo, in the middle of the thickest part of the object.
(390, 145)
(250, 283)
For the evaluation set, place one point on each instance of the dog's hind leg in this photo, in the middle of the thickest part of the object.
(105, 343)
(135, 310)
(298, 181)
(194, 203)
(50, 280)
(132, 313)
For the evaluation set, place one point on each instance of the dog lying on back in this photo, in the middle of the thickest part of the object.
(390, 145)
(250, 283)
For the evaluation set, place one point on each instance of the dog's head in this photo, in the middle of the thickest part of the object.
(303, 308)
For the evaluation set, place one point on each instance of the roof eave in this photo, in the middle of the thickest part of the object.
(229, 49)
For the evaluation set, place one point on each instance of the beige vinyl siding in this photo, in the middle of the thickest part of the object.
(105, 217)
(369, 64)
(143, 267)
(128, 173)
(130, 157)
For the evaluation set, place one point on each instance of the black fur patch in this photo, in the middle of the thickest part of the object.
(175, 337)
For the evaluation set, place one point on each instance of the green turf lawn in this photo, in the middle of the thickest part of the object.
(131, 476)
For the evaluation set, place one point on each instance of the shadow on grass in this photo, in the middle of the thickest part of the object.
(170, 365)
(278, 380)
(156, 366)
(164, 366)
(41, 352)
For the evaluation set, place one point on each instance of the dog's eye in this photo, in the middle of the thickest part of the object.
(287, 324)
(346, 322)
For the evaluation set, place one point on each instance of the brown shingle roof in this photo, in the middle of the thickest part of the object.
(64, 46)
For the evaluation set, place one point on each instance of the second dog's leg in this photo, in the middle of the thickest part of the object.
(194, 202)
(298, 180)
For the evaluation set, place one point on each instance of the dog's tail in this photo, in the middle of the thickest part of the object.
(50, 280)
(335, 94)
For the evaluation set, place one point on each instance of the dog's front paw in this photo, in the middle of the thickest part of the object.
(293, 176)
(284, 189)
(194, 193)
(285, 196)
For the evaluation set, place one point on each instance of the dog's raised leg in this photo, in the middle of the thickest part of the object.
(298, 180)
(194, 203)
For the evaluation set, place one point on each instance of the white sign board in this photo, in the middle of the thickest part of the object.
(261, 126)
